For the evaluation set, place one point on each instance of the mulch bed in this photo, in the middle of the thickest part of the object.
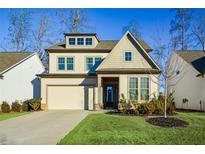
(168, 122)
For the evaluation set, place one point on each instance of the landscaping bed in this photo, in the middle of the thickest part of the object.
(167, 122)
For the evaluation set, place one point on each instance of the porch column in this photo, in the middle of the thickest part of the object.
(99, 102)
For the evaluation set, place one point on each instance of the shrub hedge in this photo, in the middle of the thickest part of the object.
(28, 105)
(153, 107)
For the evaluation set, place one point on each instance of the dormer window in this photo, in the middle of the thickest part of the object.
(80, 41)
(71, 41)
(89, 41)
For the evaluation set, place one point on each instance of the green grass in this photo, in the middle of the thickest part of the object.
(4, 116)
(113, 129)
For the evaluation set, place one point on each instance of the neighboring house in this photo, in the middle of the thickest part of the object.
(18, 80)
(187, 81)
(88, 73)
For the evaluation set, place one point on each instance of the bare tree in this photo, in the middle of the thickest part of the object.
(180, 27)
(73, 20)
(199, 32)
(40, 37)
(19, 28)
(133, 27)
(163, 50)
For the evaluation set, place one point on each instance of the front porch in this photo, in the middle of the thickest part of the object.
(109, 92)
(111, 86)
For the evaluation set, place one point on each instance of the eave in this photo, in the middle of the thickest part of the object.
(78, 50)
(55, 75)
(128, 71)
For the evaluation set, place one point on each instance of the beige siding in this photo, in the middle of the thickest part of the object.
(95, 42)
(79, 61)
(124, 84)
(45, 82)
(116, 57)
(186, 84)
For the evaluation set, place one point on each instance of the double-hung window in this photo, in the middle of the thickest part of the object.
(71, 41)
(128, 56)
(144, 88)
(69, 63)
(91, 62)
(133, 88)
(80, 41)
(88, 41)
(61, 63)
(97, 60)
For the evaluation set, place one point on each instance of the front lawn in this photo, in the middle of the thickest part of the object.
(115, 129)
(4, 116)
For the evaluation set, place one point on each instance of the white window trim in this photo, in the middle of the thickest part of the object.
(83, 41)
(139, 86)
(131, 56)
(65, 58)
(88, 38)
(69, 41)
(57, 68)
(93, 61)
(144, 88)
(73, 64)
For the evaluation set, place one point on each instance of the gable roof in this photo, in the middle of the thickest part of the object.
(8, 59)
(195, 58)
(145, 45)
(114, 62)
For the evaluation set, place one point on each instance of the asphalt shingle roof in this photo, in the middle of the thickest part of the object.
(8, 59)
(102, 45)
(195, 58)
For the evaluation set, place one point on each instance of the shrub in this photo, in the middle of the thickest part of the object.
(154, 107)
(122, 107)
(35, 104)
(5, 107)
(171, 108)
(16, 106)
(159, 108)
(25, 106)
(143, 108)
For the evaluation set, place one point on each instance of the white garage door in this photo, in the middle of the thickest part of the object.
(65, 97)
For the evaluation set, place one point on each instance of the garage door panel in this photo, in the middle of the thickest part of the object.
(65, 97)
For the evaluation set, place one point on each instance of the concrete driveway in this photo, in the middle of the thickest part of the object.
(44, 127)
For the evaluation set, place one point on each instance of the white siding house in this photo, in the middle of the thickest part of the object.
(187, 81)
(18, 76)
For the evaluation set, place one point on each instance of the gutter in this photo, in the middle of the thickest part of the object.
(78, 50)
(55, 75)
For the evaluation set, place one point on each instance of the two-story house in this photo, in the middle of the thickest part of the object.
(88, 73)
